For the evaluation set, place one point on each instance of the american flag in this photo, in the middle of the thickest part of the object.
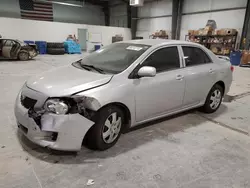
(35, 10)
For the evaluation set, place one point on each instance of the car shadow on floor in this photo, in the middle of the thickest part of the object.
(162, 129)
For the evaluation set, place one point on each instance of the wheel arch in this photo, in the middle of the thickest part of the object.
(124, 108)
(222, 84)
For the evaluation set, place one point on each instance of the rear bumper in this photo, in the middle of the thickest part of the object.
(69, 129)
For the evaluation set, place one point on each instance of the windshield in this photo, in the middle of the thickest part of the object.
(115, 58)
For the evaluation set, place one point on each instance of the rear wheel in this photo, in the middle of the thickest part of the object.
(214, 99)
(107, 129)
(23, 56)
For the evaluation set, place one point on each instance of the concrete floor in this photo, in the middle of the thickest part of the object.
(189, 150)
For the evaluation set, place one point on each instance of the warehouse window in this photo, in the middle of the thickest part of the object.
(164, 59)
(195, 56)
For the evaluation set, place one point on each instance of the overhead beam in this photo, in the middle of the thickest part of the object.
(214, 10)
(179, 19)
(106, 12)
(176, 18)
(134, 14)
(129, 16)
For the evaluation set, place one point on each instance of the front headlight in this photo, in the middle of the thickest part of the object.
(56, 106)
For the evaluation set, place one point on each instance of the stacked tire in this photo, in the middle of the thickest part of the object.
(55, 48)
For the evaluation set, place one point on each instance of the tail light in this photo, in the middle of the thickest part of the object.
(232, 68)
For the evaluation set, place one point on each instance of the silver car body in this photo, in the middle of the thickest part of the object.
(144, 99)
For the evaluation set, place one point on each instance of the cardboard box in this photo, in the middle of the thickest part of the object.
(191, 32)
(215, 32)
(196, 32)
(162, 33)
(227, 31)
(245, 59)
(231, 31)
(208, 28)
(205, 32)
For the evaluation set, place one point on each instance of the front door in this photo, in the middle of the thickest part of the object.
(163, 93)
(15, 49)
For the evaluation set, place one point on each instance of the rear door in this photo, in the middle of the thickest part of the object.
(200, 75)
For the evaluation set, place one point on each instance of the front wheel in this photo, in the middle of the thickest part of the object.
(23, 56)
(213, 100)
(107, 129)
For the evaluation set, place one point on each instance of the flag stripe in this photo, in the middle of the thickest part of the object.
(36, 12)
(37, 18)
(44, 6)
(37, 15)
(42, 9)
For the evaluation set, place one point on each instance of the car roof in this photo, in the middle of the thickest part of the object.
(153, 42)
(7, 39)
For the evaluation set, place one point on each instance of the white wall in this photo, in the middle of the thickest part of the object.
(146, 27)
(54, 31)
(224, 19)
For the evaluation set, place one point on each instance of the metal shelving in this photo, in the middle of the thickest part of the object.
(224, 43)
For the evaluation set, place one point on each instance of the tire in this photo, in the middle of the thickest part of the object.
(55, 45)
(99, 136)
(56, 51)
(213, 100)
(23, 56)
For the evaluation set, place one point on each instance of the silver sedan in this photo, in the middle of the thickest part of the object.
(117, 87)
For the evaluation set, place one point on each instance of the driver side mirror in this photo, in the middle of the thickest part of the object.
(147, 71)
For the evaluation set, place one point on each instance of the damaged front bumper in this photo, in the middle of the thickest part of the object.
(59, 132)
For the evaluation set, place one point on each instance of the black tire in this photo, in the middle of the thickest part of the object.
(23, 56)
(55, 45)
(207, 106)
(56, 51)
(94, 138)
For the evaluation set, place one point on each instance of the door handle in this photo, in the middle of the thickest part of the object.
(179, 77)
(211, 71)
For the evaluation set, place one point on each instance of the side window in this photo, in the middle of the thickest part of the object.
(164, 59)
(195, 56)
(8, 43)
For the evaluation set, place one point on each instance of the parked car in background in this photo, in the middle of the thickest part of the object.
(117, 87)
(15, 49)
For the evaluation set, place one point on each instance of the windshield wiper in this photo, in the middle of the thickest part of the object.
(93, 67)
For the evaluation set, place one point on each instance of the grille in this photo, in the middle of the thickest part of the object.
(28, 102)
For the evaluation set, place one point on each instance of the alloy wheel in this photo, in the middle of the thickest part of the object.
(215, 99)
(112, 127)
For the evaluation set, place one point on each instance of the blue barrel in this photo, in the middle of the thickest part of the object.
(97, 47)
(235, 58)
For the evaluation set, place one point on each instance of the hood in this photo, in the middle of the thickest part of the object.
(67, 80)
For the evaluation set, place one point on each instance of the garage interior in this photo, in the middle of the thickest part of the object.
(190, 149)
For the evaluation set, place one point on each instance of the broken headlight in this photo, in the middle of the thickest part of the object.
(56, 106)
